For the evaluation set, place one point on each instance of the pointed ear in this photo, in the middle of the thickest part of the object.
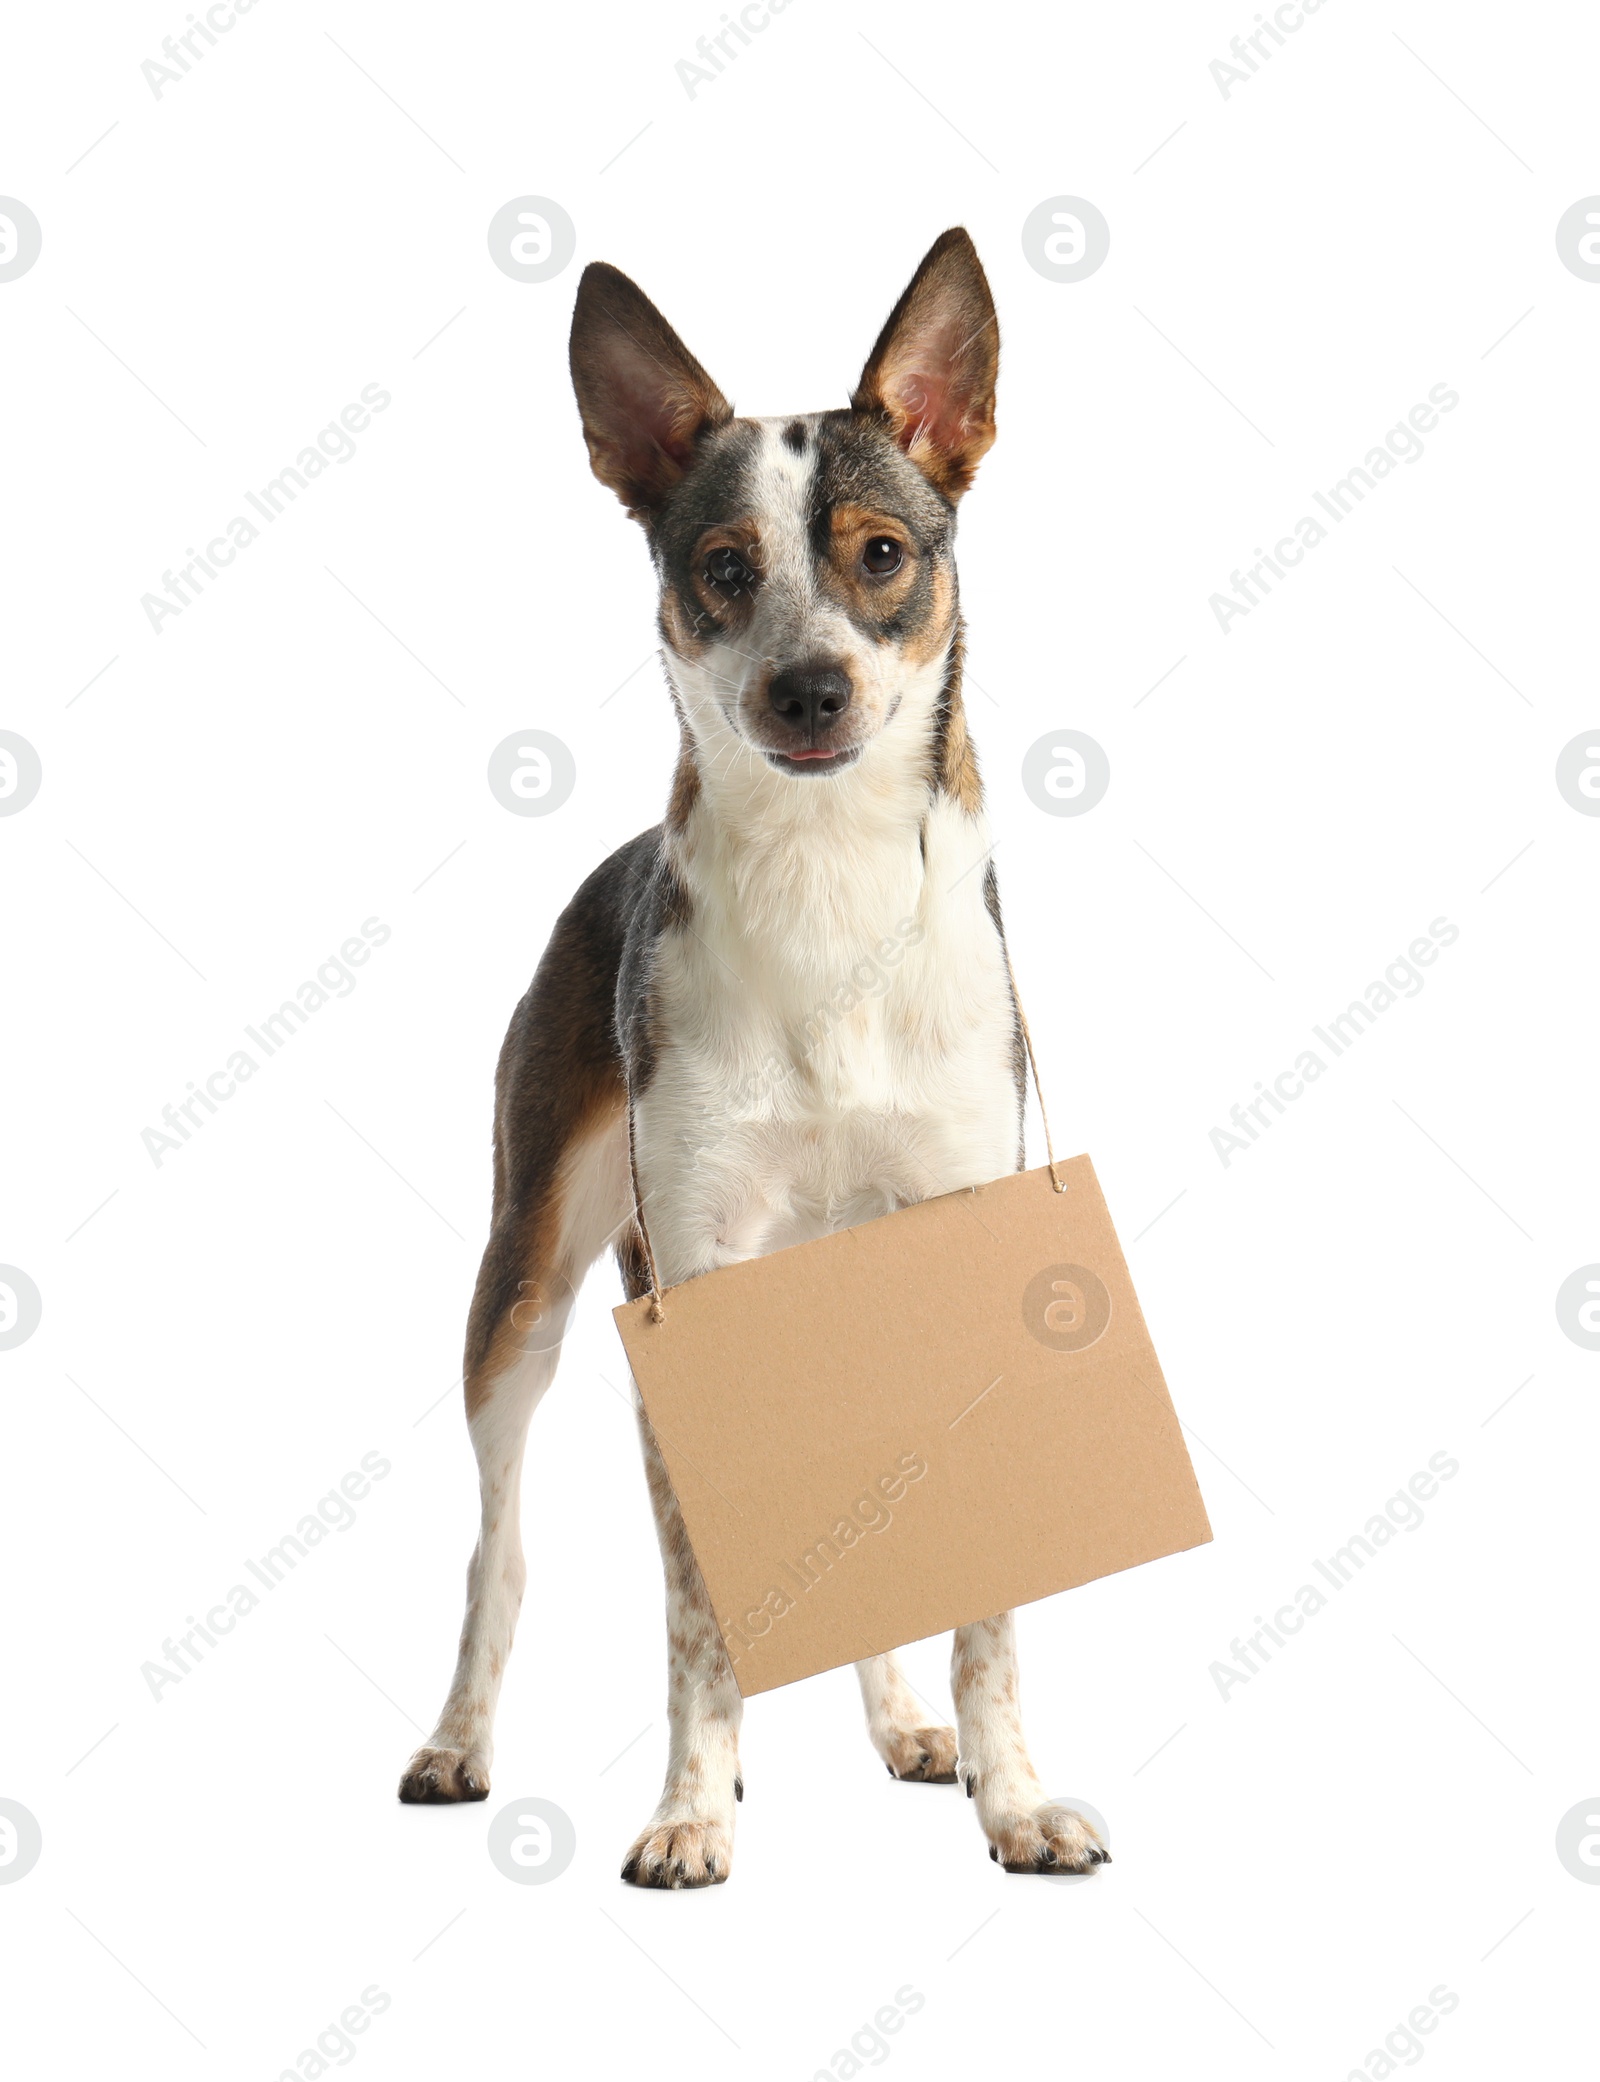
(643, 397)
(932, 373)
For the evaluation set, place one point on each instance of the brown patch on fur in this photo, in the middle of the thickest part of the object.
(557, 1085)
(926, 643)
(690, 625)
(955, 761)
(722, 609)
(685, 789)
(851, 529)
(681, 633)
(854, 525)
(509, 1299)
(931, 376)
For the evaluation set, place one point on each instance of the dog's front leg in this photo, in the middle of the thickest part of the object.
(897, 1726)
(688, 1841)
(1027, 1832)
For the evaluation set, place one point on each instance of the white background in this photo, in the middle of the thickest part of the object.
(305, 748)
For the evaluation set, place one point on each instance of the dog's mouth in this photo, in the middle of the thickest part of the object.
(812, 760)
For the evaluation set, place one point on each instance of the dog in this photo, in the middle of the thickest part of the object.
(669, 1056)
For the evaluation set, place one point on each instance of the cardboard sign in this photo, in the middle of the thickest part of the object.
(915, 1423)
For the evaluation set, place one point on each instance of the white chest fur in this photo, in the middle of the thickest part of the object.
(834, 1032)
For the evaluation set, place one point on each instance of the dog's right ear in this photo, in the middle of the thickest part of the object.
(644, 399)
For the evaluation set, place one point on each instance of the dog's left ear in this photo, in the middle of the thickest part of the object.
(932, 373)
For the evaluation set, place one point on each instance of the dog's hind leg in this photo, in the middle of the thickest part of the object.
(898, 1728)
(537, 1256)
(561, 1193)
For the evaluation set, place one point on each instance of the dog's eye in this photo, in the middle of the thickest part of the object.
(726, 569)
(882, 556)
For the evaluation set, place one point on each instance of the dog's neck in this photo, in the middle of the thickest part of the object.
(772, 857)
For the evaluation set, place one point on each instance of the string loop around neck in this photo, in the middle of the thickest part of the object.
(657, 1312)
(1056, 1179)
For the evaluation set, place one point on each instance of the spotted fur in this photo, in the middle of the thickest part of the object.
(798, 981)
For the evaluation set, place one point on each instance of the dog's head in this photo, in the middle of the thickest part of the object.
(807, 580)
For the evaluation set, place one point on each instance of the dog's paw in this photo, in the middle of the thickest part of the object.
(687, 1853)
(1049, 1839)
(921, 1756)
(438, 1777)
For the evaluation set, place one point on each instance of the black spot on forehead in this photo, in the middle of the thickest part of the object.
(794, 436)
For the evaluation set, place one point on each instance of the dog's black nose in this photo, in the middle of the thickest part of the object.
(810, 698)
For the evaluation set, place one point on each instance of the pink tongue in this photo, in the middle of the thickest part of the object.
(811, 755)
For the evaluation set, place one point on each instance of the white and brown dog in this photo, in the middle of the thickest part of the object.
(826, 806)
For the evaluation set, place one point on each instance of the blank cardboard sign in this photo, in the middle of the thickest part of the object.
(918, 1422)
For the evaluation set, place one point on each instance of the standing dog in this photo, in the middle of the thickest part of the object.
(826, 805)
